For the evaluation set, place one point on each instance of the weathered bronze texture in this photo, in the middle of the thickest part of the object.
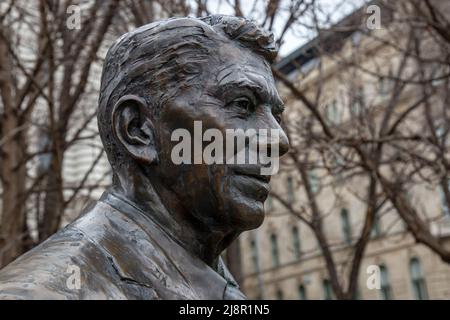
(158, 232)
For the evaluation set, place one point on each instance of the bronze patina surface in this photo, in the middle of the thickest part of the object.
(158, 232)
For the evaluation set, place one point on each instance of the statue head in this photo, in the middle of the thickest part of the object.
(167, 75)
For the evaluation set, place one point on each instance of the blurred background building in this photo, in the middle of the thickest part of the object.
(283, 259)
(366, 183)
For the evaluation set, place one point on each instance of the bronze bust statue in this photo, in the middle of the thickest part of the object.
(158, 232)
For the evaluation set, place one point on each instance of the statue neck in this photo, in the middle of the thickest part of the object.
(164, 207)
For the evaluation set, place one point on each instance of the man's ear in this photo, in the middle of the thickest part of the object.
(133, 128)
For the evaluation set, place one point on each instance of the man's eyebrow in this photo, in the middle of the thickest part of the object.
(259, 90)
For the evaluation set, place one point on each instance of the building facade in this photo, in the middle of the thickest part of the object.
(282, 258)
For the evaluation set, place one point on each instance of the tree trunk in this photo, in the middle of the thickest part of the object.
(54, 198)
(12, 171)
(13, 206)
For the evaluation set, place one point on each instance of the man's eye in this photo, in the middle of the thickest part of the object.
(244, 103)
(277, 117)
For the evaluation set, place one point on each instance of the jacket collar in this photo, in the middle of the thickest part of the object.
(152, 253)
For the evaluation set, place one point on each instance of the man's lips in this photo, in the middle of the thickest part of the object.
(253, 171)
(250, 181)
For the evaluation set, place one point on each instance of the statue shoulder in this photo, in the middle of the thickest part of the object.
(68, 265)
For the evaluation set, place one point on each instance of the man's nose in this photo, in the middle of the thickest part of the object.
(284, 142)
(281, 141)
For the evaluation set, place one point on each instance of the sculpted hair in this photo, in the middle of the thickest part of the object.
(157, 59)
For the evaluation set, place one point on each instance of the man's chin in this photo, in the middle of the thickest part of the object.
(248, 214)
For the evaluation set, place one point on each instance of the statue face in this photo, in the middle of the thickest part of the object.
(235, 90)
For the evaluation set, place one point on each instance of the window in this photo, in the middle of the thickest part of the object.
(269, 203)
(439, 77)
(356, 38)
(376, 228)
(254, 252)
(444, 206)
(385, 287)
(274, 250)
(358, 101)
(327, 291)
(339, 165)
(296, 242)
(44, 159)
(441, 133)
(333, 113)
(309, 65)
(279, 294)
(357, 294)
(290, 189)
(382, 86)
(346, 227)
(417, 280)
(385, 83)
(293, 74)
(313, 181)
(302, 292)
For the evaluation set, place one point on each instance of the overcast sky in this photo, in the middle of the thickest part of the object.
(336, 9)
